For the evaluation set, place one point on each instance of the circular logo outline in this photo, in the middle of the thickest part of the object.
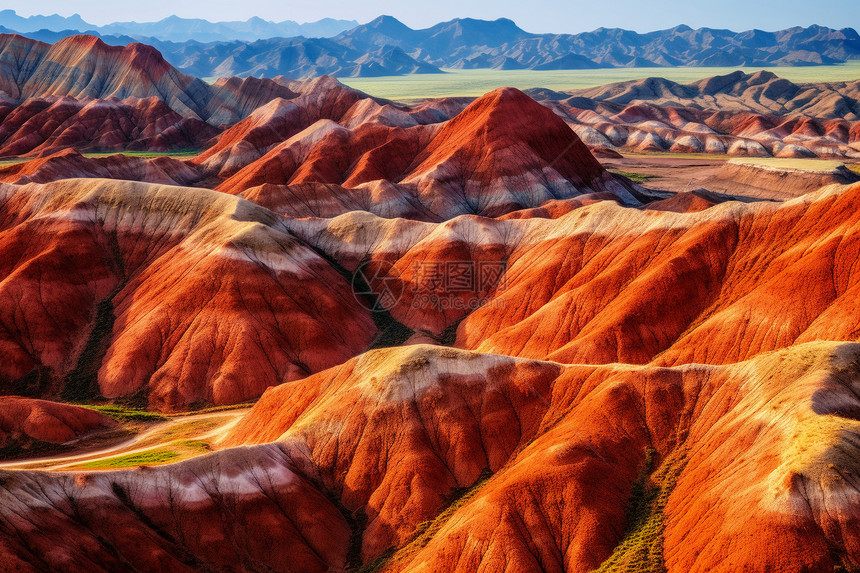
(379, 282)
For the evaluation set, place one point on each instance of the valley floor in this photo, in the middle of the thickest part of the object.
(473, 83)
(168, 440)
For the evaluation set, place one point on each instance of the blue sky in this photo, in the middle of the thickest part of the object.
(532, 15)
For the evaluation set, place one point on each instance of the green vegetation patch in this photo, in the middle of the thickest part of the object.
(121, 414)
(82, 382)
(225, 408)
(635, 177)
(478, 82)
(186, 152)
(151, 458)
(175, 451)
(641, 549)
(198, 445)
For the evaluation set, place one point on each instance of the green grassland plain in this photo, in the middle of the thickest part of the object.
(474, 83)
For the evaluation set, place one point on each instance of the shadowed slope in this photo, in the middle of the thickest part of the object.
(243, 510)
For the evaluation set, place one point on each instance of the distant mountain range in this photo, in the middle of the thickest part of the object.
(468, 43)
(176, 29)
(386, 46)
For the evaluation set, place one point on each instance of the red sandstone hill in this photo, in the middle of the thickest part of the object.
(69, 164)
(24, 421)
(244, 511)
(737, 114)
(591, 286)
(84, 67)
(564, 444)
(565, 376)
(322, 98)
(542, 467)
(606, 283)
(40, 127)
(277, 121)
(503, 152)
(168, 292)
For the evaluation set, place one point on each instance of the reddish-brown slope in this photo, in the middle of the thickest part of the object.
(248, 139)
(390, 435)
(606, 283)
(245, 510)
(275, 122)
(558, 207)
(565, 444)
(696, 288)
(25, 419)
(325, 200)
(593, 286)
(424, 420)
(44, 126)
(239, 97)
(479, 141)
(322, 98)
(504, 152)
(326, 152)
(780, 183)
(689, 202)
(738, 438)
(84, 67)
(70, 164)
(184, 295)
(646, 127)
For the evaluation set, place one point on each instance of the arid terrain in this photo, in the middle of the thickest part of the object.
(285, 325)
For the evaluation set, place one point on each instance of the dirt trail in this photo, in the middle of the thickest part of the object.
(207, 428)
